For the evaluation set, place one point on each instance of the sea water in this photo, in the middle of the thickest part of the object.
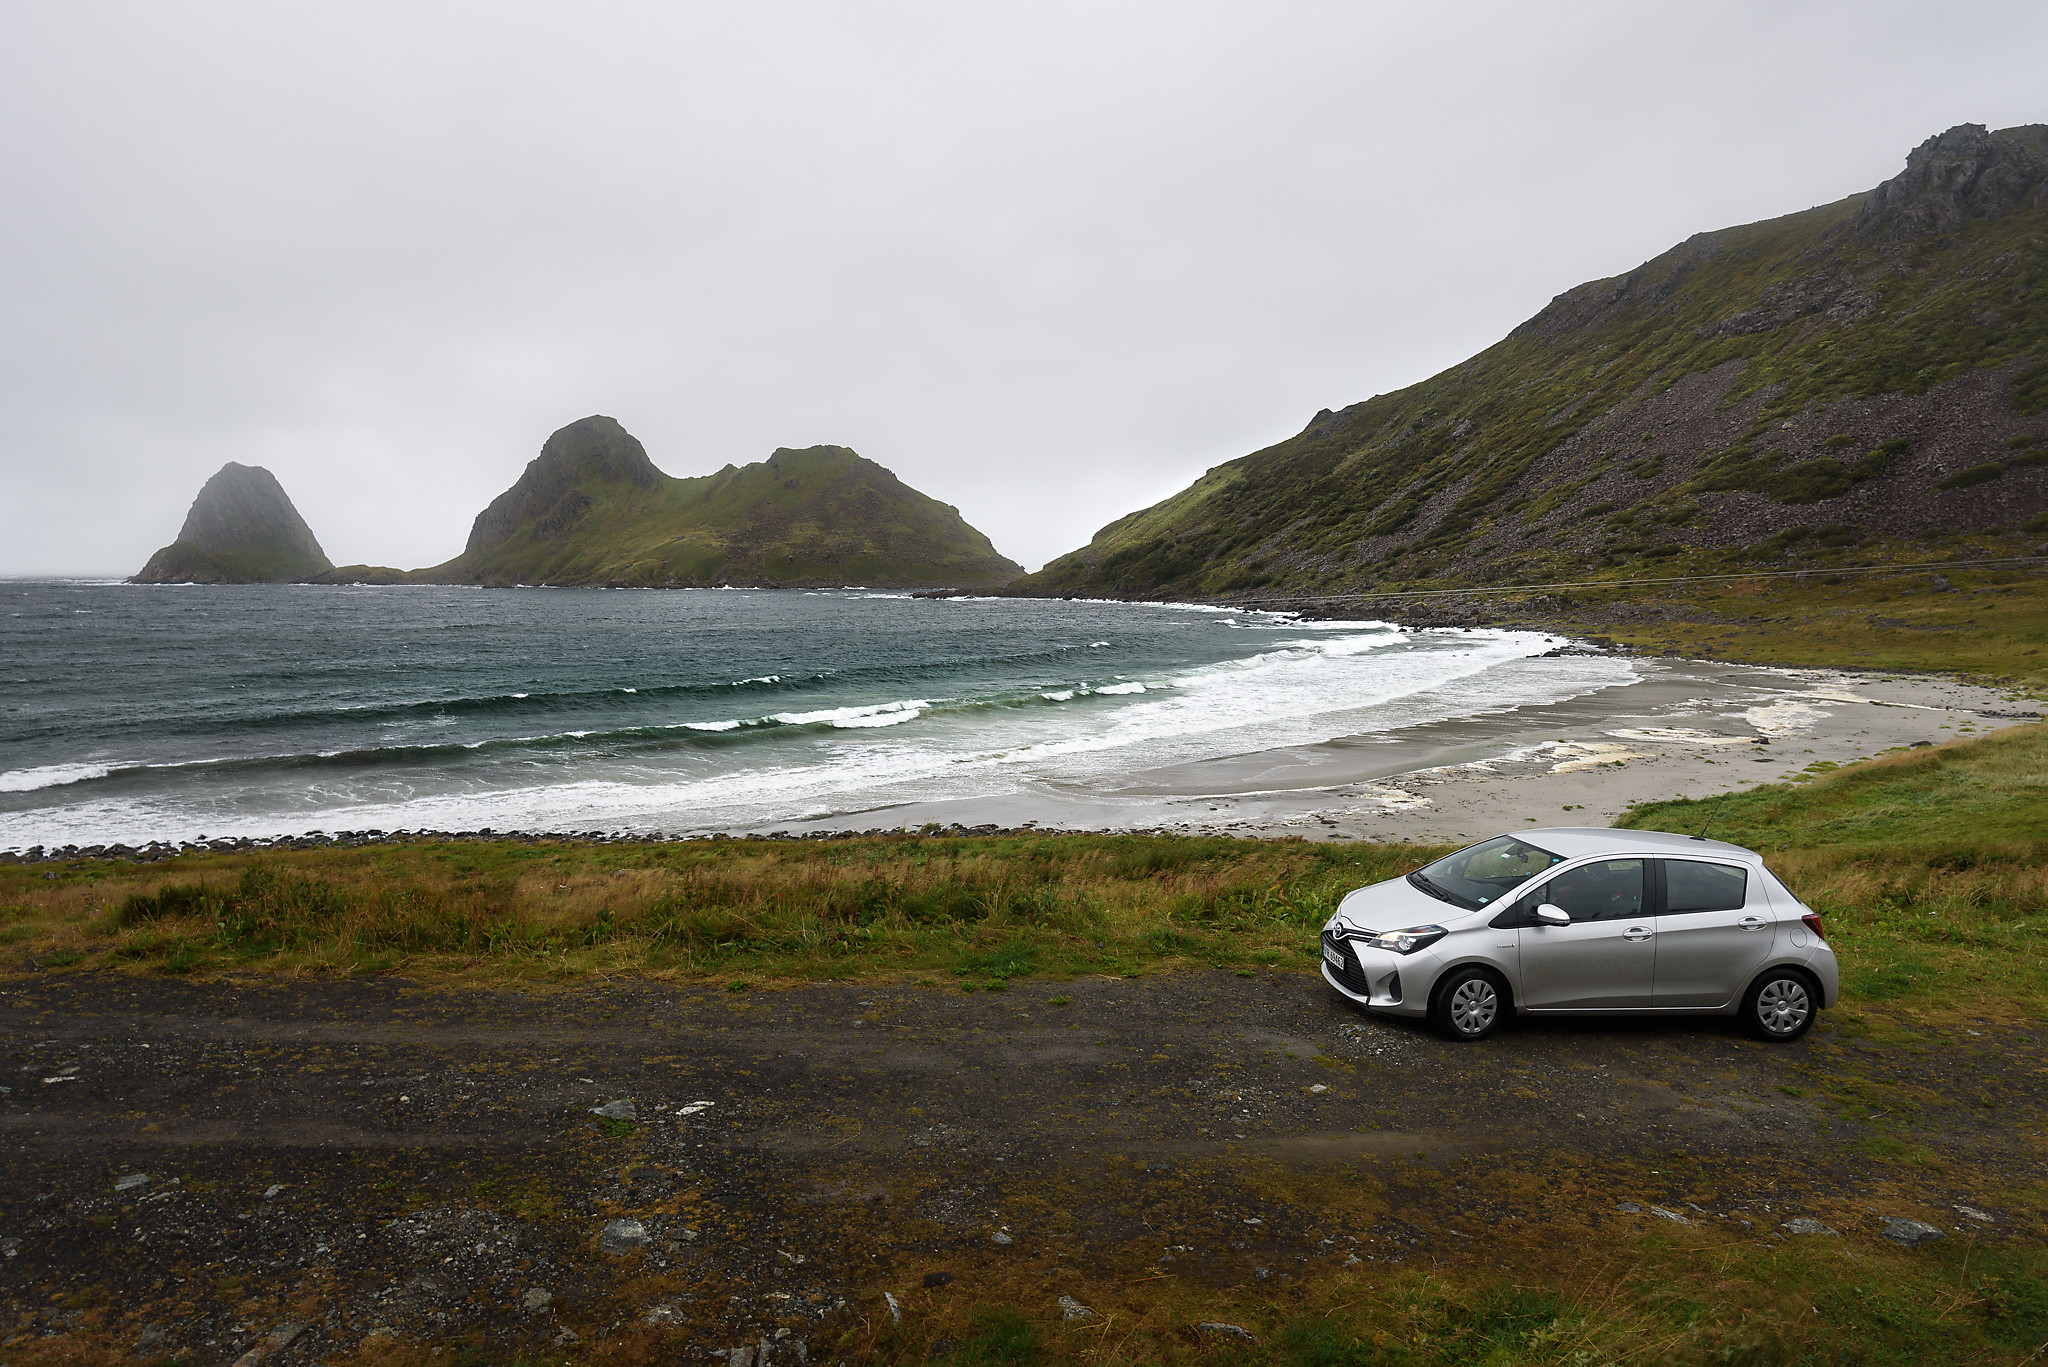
(132, 713)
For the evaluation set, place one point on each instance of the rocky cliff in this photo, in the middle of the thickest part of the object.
(593, 509)
(242, 529)
(1867, 373)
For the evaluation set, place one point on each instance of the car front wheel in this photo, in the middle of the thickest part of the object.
(1780, 1005)
(1468, 1005)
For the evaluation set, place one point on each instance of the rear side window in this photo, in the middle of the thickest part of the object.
(1690, 886)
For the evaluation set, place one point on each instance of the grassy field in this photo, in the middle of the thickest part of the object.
(1677, 1296)
(1990, 624)
(1928, 864)
(976, 912)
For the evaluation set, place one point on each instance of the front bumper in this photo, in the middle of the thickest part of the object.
(1370, 977)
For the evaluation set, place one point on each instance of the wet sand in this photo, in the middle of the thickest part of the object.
(1688, 728)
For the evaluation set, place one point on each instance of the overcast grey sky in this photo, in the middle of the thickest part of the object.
(1047, 261)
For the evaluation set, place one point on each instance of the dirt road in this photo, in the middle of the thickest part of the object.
(296, 1168)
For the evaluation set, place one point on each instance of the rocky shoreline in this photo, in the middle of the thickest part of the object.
(155, 851)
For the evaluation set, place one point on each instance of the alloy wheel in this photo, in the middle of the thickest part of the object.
(1474, 1004)
(1783, 1006)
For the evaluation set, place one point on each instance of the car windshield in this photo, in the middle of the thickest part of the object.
(1485, 872)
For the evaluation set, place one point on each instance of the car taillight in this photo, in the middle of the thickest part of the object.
(1812, 919)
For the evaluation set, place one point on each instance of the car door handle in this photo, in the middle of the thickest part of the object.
(1637, 933)
(1752, 923)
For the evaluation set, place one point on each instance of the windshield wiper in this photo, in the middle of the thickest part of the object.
(1441, 894)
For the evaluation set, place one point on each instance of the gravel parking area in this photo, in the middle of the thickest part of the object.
(294, 1168)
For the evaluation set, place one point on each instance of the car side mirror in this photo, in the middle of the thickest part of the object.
(1552, 915)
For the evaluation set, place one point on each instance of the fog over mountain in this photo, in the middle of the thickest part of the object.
(1045, 263)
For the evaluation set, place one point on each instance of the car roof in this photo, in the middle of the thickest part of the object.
(1576, 842)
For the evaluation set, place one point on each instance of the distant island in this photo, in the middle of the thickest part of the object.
(592, 510)
(242, 529)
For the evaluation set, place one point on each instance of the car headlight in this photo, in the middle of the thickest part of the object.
(1409, 940)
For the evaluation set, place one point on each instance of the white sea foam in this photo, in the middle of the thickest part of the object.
(1786, 718)
(1112, 689)
(50, 776)
(1306, 690)
(1282, 697)
(857, 718)
(1337, 624)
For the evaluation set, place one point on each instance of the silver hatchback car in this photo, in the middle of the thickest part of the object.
(1573, 921)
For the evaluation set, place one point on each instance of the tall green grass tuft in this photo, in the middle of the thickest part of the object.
(984, 909)
(1497, 1325)
(1002, 1335)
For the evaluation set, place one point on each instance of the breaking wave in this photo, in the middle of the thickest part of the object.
(51, 776)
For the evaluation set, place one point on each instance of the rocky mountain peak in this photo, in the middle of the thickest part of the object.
(549, 494)
(1968, 172)
(241, 529)
(244, 506)
(596, 447)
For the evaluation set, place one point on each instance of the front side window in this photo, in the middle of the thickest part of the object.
(1606, 890)
(1690, 885)
(1485, 873)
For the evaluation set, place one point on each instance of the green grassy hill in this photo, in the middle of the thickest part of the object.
(1856, 379)
(593, 509)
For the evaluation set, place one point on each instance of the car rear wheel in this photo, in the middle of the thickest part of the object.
(1780, 1005)
(1468, 1004)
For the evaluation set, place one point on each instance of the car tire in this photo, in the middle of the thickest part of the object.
(1468, 1004)
(1780, 1005)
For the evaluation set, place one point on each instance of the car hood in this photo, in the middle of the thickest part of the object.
(1393, 905)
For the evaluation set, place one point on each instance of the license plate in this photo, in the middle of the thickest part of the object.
(1333, 957)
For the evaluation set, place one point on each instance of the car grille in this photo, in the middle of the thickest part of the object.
(1349, 976)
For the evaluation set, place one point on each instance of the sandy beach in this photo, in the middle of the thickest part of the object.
(1686, 728)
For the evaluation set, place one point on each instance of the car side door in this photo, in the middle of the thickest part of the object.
(1606, 958)
(1714, 927)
